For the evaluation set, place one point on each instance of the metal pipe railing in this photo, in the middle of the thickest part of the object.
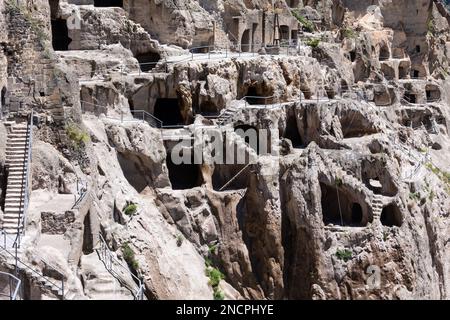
(14, 285)
(110, 260)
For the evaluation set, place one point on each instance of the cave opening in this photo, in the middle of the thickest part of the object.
(3, 97)
(330, 93)
(245, 41)
(168, 111)
(88, 241)
(252, 96)
(60, 35)
(415, 74)
(410, 97)
(108, 3)
(284, 32)
(391, 216)
(249, 134)
(339, 208)
(133, 169)
(307, 94)
(403, 71)
(184, 176)
(352, 56)
(226, 175)
(433, 93)
(294, 3)
(294, 37)
(291, 132)
(384, 53)
(418, 49)
(148, 61)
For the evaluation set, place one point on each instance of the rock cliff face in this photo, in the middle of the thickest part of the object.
(351, 199)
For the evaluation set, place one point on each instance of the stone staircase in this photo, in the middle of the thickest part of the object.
(17, 157)
(227, 115)
(377, 206)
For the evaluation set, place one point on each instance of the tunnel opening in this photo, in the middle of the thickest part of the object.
(391, 216)
(294, 37)
(252, 96)
(230, 177)
(433, 93)
(388, 72)
(249, 134)
(291, 131)
(410, 97)
(403, 70)
(245, 41)
(148, 61)
(60, 35)
(338, 208)
(415, 74)
(384, 53)
(330, 93)
(108, 3)
(352, 56)
(3, 97)
(168, 111)
(184, 176)
(284, 32)
(357, 214)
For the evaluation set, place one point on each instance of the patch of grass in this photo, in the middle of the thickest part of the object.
(77, 135)
(212, 249)
(308, 25)
(130, 209)
(313, 43)
(129, 256)
(219, 295)
(345, 254)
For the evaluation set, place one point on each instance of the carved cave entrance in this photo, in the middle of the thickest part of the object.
(391, 216)
(148, 61)
(333, 204)
(60, 35)
(284, 31)
(108, 3)
(184, 176)
(168, 111)
(291, 132)
(3, 97)
(245, 41)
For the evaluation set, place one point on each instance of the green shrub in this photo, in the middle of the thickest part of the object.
(130, 208)
(313, 43)
(308, 25)
(128, 255)
(219, 295)
(344, 255)
(349, 33)
(212, 249)
(77, 135)
(180, 240)
(215, 276)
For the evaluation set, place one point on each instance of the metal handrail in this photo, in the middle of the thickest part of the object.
(12, 293)
(155, 122)
(37, 273)
(109, 260)
(24, 192)
(81, 193)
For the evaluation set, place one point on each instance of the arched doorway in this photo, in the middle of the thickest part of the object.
(391, 216)
(245, 41)
(60, 35)
(168, 111)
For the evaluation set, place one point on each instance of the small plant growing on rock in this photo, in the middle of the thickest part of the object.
(339, 182)
(129, 256)
(313, 43)
(349, 33)
(130, 209)
(77, 135)
(345, 255)
(215, 276)
(180, 240)
(307, 25)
